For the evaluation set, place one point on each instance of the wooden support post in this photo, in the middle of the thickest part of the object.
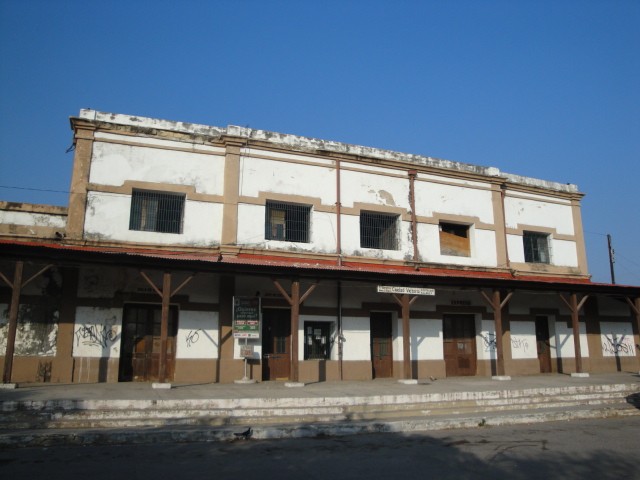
(635, 308)
(405, 303)
(164, 326)
(497, 304)
(574, 307)
(294, 300)
(16, 287)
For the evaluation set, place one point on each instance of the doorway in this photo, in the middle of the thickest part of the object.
(459, 345)
(140, 351)
(542, 344)
(276, 344)
(381, 345)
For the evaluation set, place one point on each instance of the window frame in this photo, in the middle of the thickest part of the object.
(157, 211)
(309, 334)
(387, 238)
(535, 253)
(448, 233)
(294, 220)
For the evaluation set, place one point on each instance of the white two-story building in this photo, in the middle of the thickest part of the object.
(195, 253)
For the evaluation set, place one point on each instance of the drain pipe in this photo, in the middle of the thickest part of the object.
(340, 336)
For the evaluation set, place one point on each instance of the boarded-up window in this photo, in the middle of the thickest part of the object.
(156, 211)
(536, 247)
(287, 222)
(454, 240)
(378, 230)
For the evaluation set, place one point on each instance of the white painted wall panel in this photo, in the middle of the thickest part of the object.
(486, 341)
(356, 333)
(30, 219)
(426, 339)
(562, 340)
(520, 211)
(107, 218)
(197, 335)
(564, 253)
(97, 332)
(113, 164)
(251, 230)
(351, 241)
(433, 198)
(483, 247)
(523, 340)
(360, 187)
(260, 175)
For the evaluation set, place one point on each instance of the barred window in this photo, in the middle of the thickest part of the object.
(378, 230)
(287, 222)
(536, 247)
(156, 211)
(454, 240)
(316, 340)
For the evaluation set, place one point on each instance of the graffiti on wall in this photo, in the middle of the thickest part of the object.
(99, 335)
(519, 343)
(97, 332)
(618, 345)
(192, 337)
(489, 341)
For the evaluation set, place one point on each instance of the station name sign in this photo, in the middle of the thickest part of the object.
(406, 290)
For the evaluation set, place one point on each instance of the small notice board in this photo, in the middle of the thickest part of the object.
(246, 317)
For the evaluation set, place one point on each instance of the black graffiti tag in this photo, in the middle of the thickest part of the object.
(192, 337)
(95, 335)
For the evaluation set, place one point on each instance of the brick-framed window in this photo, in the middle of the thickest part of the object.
(378, 230)
(288, 222)
(156, 211)
(536, 247)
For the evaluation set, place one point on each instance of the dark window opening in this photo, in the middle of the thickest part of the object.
(316, 340)
(536, 247)
(156, 212)
(287, 222)
(454, 240)
(378, 230)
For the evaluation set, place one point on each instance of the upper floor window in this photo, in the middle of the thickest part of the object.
(287, 221)
(454, 240)
(156, 211)
(378, 230)
(536, 247)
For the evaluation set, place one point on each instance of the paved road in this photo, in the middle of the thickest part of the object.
(594, 449)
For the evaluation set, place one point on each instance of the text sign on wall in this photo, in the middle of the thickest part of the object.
(406, 290)
(246, 317)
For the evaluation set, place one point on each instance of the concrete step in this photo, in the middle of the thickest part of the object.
(287, 411)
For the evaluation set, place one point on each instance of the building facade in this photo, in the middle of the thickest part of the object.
(360, 263)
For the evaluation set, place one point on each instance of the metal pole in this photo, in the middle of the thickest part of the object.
(612, 259)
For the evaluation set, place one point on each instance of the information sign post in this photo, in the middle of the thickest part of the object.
(246, 324)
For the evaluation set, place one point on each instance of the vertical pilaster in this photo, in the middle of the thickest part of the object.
(84, 138)
(499, 221)
(579, 236)
(63, 363)
(231, 194)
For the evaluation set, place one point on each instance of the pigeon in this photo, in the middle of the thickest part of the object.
(246, 435)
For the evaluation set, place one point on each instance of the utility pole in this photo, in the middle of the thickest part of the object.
(612, 259)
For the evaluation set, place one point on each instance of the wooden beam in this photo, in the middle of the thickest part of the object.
(295, 318)
(164, 326)
(283, 292)
(308, 292)
(182, 285)
(150, 282)
(36, 275)
(16, 287)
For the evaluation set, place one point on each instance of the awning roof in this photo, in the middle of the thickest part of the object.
(275, 265)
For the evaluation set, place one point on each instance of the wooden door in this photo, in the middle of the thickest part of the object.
(276, 344)
(381, 346)
(140, 352)
(459, 345)
(543, 345)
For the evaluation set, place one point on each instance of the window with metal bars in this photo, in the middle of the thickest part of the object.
(287, 222)
(378, 230)
(536, 247)
(316, 340)
(156, 211)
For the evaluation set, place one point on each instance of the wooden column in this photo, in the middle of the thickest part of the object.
(294, 300)
(497, 305)
(574, 307)
(16, 287)
(635, 308)
(165, 295)
(405, 303)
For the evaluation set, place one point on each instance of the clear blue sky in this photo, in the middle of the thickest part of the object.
(543, 88)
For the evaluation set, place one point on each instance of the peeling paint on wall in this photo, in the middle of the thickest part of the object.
(37, 330)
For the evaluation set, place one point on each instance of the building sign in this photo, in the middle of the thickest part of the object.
(246, 317)
(406, 290)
